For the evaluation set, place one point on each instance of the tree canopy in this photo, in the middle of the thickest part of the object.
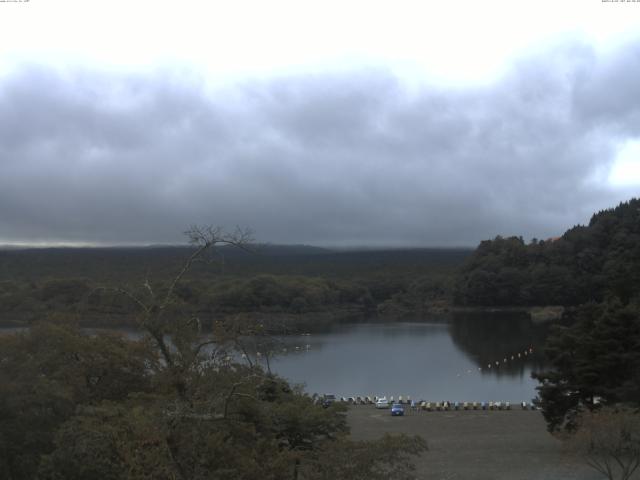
(587, 263)
(592, 363)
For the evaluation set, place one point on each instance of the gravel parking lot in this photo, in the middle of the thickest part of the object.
(476, 445)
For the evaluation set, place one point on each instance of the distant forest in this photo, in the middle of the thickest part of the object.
(298, 283)
(311, 285)
(587, 263)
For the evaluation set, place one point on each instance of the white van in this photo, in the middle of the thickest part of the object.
(382, 402)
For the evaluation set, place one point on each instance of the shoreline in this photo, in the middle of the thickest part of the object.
(288, 322)
(310, 321)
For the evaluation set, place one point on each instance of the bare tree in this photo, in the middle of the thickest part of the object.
(160, 321)
(609, 441)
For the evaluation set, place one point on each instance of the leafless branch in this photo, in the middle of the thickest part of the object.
(205, 238)
(147, 285)
(201, 345)
(232, 393)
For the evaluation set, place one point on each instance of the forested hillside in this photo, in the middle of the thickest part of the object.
(306, 284)
(587, 263)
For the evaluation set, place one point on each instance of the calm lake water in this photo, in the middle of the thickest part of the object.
(431, 361)
(427, 360)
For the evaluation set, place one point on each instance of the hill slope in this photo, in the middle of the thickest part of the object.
(587, 263)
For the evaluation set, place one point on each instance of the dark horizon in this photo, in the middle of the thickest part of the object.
(328, 248)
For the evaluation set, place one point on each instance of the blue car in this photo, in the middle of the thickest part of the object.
(397, 409)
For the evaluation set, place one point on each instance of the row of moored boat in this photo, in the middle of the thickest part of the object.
(435, 406)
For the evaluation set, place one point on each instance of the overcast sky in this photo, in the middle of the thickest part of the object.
(328, 123)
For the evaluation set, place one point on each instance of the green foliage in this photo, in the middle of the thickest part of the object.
(141, 442)
(64, 292)
(421, 295)
(594, 362)
(212, 296)
(297, 280)
(119, 266)
(75, 406)
(269, 293)
(586, 264)
(50, 370)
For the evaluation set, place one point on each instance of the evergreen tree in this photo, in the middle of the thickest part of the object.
(594, 362)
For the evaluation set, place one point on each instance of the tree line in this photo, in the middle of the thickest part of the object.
(331, 285)
(587, 263)
(90, 300)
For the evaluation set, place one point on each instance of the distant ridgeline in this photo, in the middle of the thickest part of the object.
(588, 263)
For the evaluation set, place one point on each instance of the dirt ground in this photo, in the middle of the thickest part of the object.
(477, 445)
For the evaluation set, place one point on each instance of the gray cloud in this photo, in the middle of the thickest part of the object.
(350, 158)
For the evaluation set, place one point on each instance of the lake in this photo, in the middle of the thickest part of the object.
(426, 360)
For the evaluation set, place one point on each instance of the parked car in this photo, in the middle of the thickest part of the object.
(397, 410)
(382, 402)
(328, 400)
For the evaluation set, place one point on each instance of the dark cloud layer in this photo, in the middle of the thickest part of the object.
(350, 158)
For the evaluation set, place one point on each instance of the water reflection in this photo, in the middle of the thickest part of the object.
(497, 336)
(435, 360)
